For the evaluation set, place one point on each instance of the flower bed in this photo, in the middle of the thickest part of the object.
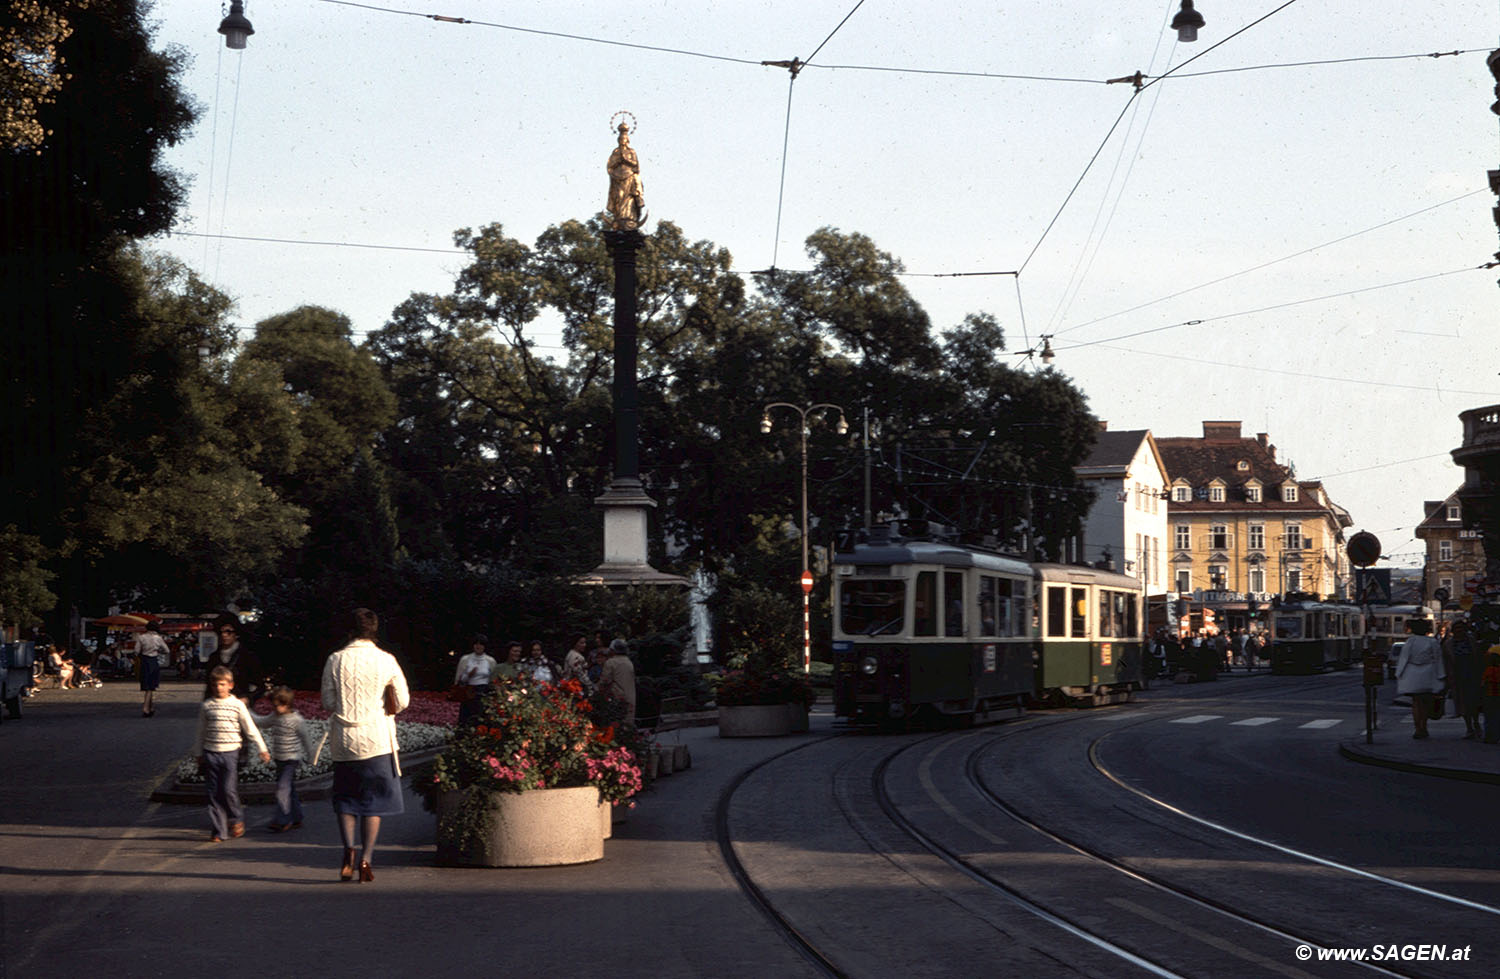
(426, 707)
(410, 737)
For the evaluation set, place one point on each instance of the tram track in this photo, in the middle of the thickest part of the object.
(1154, 881)
(1127, 950)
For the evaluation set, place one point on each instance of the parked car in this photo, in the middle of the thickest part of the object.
(1392, 657)
(16, 660)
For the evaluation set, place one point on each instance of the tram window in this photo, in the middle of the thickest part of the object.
(872, 608)
(989, 624)
(1132, 628)
(1080, 613)
(1288, 627)
(953, 603)
(1057, 611)
(1009, 621)
(924, 615)
(1106, 616)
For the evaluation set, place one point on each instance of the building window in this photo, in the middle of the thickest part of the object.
(1216, 494)
(1155, 560)
(1294, 536)
(1445, 550)
(1258, 580)
(1289, 494)
(1137, 496)
(1257, 535)
(1184, 580)
(1447, 585)
(1453, 511)
(1216, 579)
(1218, 536)
(1184, 537)
(1294, 580)
(1252, 494)
(1180, 494)
(1243, 465)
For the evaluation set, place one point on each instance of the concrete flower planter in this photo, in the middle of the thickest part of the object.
(755, 721)
(539, 828)
(606, 820)
(797, 717)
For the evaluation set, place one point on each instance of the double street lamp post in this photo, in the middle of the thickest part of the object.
(807, 578)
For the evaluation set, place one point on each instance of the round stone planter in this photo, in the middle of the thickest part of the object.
(539, 828)
(755, 721)
(606, 820)
(797, 717)
(666, 760)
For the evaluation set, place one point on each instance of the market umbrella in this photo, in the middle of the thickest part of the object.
(120, 621)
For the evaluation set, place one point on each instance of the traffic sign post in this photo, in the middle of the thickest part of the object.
(807, 586)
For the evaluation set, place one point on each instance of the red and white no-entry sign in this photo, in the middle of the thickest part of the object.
(807, 582)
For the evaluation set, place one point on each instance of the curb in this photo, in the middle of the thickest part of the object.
(1354, 754)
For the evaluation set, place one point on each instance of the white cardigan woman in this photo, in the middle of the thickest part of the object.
(354, 682)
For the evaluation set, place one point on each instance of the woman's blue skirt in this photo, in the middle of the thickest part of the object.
(368, 787)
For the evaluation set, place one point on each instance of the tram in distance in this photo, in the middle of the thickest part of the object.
(1310, 636)
(931, 627)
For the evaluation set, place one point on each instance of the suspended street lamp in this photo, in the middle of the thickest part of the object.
(1187, 22)
(236, 27)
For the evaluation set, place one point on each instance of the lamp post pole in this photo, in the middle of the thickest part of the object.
(806, 577)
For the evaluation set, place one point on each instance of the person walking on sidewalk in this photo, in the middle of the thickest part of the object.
(1419, 673)
(224, 725)
(153, 653)
(1468, 668)
(363, 691)
(290, 741)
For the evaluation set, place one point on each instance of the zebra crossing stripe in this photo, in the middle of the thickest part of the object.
(1319, 725)
(1255, 721)
(1197, 719)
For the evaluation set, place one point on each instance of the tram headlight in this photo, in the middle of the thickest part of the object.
(869, 665)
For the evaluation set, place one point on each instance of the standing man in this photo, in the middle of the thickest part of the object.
(249, 678)
(617, 679)
(153, 654)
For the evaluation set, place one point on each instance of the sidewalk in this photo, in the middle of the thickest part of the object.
(1445, 754)
(99, 880)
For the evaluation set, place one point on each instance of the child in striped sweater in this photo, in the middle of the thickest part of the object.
(224, 725)
(291, 741)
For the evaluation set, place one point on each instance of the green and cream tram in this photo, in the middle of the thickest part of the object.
(923, 626)
(1089, 635)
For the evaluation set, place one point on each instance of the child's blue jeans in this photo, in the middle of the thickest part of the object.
(288, 806)
(221, 775)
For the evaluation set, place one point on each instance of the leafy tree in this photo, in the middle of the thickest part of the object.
(81, 172)
(24, 597)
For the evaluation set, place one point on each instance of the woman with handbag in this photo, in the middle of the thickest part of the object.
(363, 690)
(1420, 673)
(475, 672)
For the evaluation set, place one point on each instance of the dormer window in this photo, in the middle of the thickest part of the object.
(1453, 512)
(1252, 493)
(1289, 494)
(1216, 493)
(1243, 466)
(1181, 493)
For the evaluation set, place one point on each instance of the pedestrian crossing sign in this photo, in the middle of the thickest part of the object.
(1374, 585)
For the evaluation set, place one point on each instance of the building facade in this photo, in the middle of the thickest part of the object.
(1127, 523)
(1455, 554)
(1242, 528)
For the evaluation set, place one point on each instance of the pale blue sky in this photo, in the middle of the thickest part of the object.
(343, 123)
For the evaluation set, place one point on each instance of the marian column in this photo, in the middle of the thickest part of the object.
(626, 505)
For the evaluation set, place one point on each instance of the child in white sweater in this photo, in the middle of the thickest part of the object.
(224, 725)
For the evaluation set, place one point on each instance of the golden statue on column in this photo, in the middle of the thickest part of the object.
(627, 196)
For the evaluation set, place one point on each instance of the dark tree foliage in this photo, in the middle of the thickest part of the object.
(67, 334)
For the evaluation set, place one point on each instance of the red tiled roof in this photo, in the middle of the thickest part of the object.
(1199, 461)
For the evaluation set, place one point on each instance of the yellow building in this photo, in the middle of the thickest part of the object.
(1241, 527)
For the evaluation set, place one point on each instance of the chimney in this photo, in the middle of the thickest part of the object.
(1261, 438)
(1221, 430)
(1103, 425)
